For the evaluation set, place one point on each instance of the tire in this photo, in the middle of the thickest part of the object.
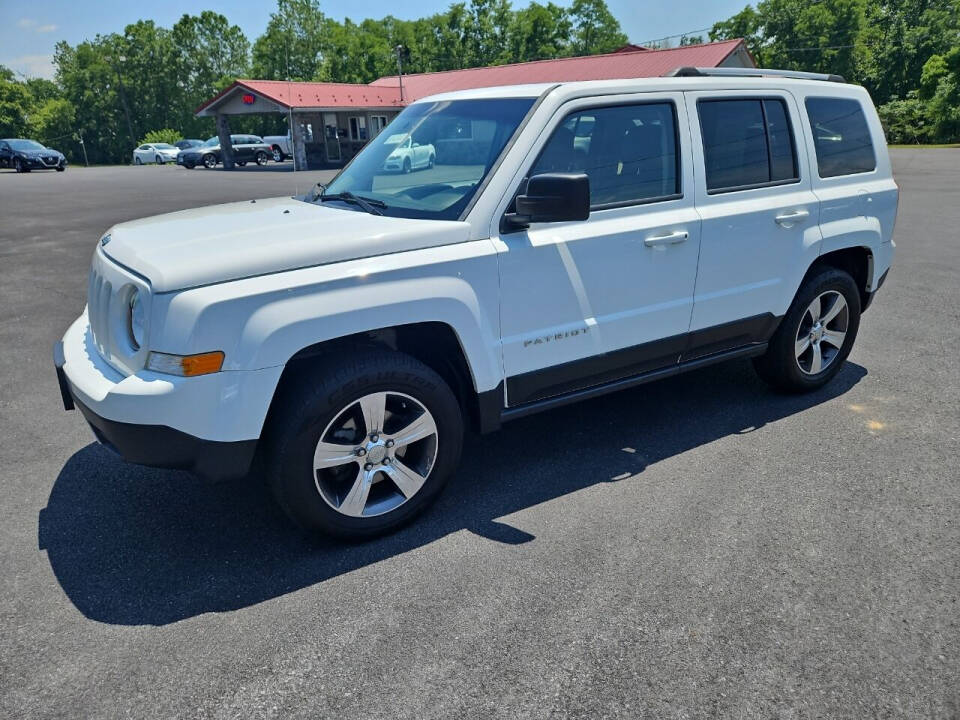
(60, 168)
(314, 405)
(432, 161)
(137, 161)
(241, 163)
(808, 335)
(278, 155)
(158, 160)
(209, 161)
(261, 157)
(19, 166)
(189, 166)
(407, 166)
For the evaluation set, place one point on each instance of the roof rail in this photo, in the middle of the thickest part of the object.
(750, 72)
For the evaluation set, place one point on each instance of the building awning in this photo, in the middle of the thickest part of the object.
(257, 96)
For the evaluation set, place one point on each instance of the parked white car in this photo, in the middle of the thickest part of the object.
(408, 154)
(615, 233)
(158, 153)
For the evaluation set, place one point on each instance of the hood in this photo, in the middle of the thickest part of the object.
(38, 153)
(228, 242)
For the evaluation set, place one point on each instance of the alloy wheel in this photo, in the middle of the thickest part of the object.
(375, 454)
(821, 333)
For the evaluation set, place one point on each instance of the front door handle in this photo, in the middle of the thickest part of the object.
(671, 239)
(789, 219)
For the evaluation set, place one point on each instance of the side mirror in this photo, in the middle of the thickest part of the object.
(552, 197)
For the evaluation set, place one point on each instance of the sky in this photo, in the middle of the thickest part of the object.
(32, 28)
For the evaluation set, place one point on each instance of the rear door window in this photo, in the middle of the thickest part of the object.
(747, 143)
(841, 137)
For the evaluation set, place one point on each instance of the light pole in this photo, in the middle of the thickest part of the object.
(399, 50)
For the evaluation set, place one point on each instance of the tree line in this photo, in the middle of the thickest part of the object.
(905, 52)
(115, 89)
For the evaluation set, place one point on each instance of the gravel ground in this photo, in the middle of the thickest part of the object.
(698, 547)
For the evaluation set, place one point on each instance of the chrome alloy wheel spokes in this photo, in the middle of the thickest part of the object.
(375, 454)
(822, 330)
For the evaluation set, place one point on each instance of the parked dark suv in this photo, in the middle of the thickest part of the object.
(25, 155)
(246, 148)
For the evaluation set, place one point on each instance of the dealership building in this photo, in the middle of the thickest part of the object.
(331, 122)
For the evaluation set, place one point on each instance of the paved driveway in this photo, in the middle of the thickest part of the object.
(693, 548)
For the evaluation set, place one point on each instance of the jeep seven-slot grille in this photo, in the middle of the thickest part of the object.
(98, 310)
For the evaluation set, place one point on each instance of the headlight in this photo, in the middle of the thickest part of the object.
(137, 319)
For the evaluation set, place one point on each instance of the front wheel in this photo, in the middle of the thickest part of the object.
(137, 161)
(261, 157)
(19, 166)
(209, 162)
(158, 160)
(60, 168)
(278, 155)
(815, 336)
(241, 163)
(360, 444)
(407, 166)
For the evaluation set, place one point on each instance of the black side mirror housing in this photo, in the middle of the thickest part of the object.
(552, 197)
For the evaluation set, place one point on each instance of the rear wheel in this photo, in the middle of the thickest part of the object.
(137, 161)
(432, 161)
(209, 161)
(261, 157)
(360, 445)
(241, 163)
(158, 160)
(407, 165)
(19, 166)
(815, 336)
(278, 155)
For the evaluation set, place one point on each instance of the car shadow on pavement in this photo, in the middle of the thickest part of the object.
(134, 546)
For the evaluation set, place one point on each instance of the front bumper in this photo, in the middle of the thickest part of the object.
(208, 425)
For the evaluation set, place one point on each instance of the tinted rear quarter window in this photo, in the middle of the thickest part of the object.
(841, 137)
(746, 143)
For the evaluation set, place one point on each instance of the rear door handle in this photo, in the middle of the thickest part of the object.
(671, 239)
(789, 219)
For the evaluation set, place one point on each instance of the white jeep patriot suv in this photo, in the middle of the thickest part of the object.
(567, 241)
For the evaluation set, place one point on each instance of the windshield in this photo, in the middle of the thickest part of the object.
(212, 141)
(26, 145)
(430, 160)
(164, 146)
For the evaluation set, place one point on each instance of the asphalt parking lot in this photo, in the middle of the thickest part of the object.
(699, 547)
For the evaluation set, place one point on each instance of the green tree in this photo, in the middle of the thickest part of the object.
(747, 25)
(907, 121)
(14, 102)
(292, 46)
(940, 86)
(209, 53)
(537, 32)
(900, 36)
(595, 29)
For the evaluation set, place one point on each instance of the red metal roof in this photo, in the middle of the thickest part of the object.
(385, 92)
(613, 66)
(316, 94)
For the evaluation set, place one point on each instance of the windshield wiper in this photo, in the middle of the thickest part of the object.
(367, 204)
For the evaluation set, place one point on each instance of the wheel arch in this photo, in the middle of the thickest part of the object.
(857, 261)
(434, 343)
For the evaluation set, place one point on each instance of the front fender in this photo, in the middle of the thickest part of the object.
(262, 322)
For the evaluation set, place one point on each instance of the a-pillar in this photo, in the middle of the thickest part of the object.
(299, 146)
(226, 148)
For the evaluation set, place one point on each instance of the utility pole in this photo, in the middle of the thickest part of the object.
(84, 148)
(399, 50)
